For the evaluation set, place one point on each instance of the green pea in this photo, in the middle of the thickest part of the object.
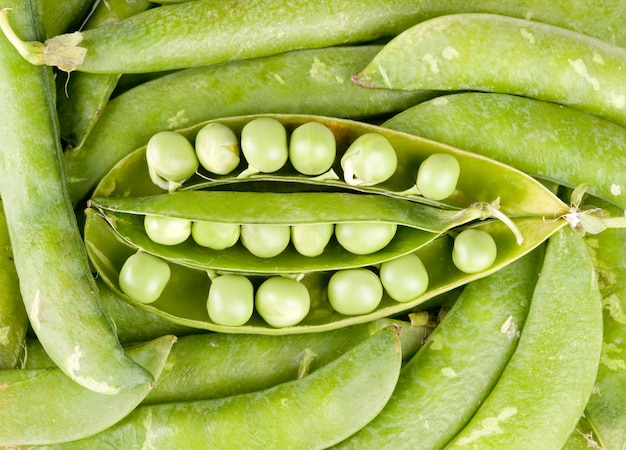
(264, 144)
(167, 230)
(474, 251)
(265, 241)
(215, 235)
(231, 300)
(282, 302)
(171, 159)
(310, 239)
(437, 176)
(312, 148)
(217, 148)
(354, 291)
(404, 278)
(364, 238)
(370, 160)
(143, 277)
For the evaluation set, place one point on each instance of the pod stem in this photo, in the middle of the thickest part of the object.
(493, 210)
(61, 51)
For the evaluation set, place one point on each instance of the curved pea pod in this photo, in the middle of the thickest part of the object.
(528, 134)
(418, 225)
(44, 406)
(442, 386)
(306, 81)
(13, 318)
(481, 180)
(472, 52)
(313, 412)
(109, 252)
(555, 363)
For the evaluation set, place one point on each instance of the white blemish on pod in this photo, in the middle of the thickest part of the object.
(450, 53)
(432, 63)
(509, 328)
(618, 100)
(616, 189)
(448, 372)
(581, 69)
(34, 311)
(440, 101)
(527, 35)
(491, 425)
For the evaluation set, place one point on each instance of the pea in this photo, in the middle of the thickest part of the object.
(265, 241)
(312, 148)
(282, 302)
(437, 176)
(474, 251)
(143, 277)
(231, 300)
(215, 235)
(369, 160)
(217, 148)
(310, 239)
(171, 159)
(354, 291)
(167, 230)
(264, 144)
(404, 278)
(364, 238)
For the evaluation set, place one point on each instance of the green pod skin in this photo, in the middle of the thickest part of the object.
(56, 282)
(82, 97)
(61, 17)
(108, 252)
(47, 407)
(528, 134)
(307, 81)
(13, 318)
(442, 385)
(559, 347)
(457, 52)
(314, 412)
(481, 180)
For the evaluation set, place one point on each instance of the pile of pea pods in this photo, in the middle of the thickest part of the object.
(312, 224)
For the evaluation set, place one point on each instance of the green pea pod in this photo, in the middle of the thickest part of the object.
(307, 81)
(481, 180)
(582, 438)
(606, 410)
(555, 363)
(442, 386)
(62, 17)
(418, 225)
(82, 97)
(109, 252)
(44, 406)
(313, 412)
(13, 318)
(528, 134)
(472, 52)
(56, 282)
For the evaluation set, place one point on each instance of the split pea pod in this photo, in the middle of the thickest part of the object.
(13, 318)
(56, 283)
(442, 385)
(307, 82)
(560, 345)
(473, 52)
(313, 412)
(528, 134)
(82, 97)
(44, 406)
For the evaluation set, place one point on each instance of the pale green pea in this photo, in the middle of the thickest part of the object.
(370, 160)
(282, 302)
(474, 251)
(265, 241)
(171, 159)
(264, 144)
(231, 300)
(404, 278)
(167, 230)
(312, 148)
(364, 238)
(215, 235)
(217, 148)
(354, 291)
(438, 176)
(310, 239)
(143, 277)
